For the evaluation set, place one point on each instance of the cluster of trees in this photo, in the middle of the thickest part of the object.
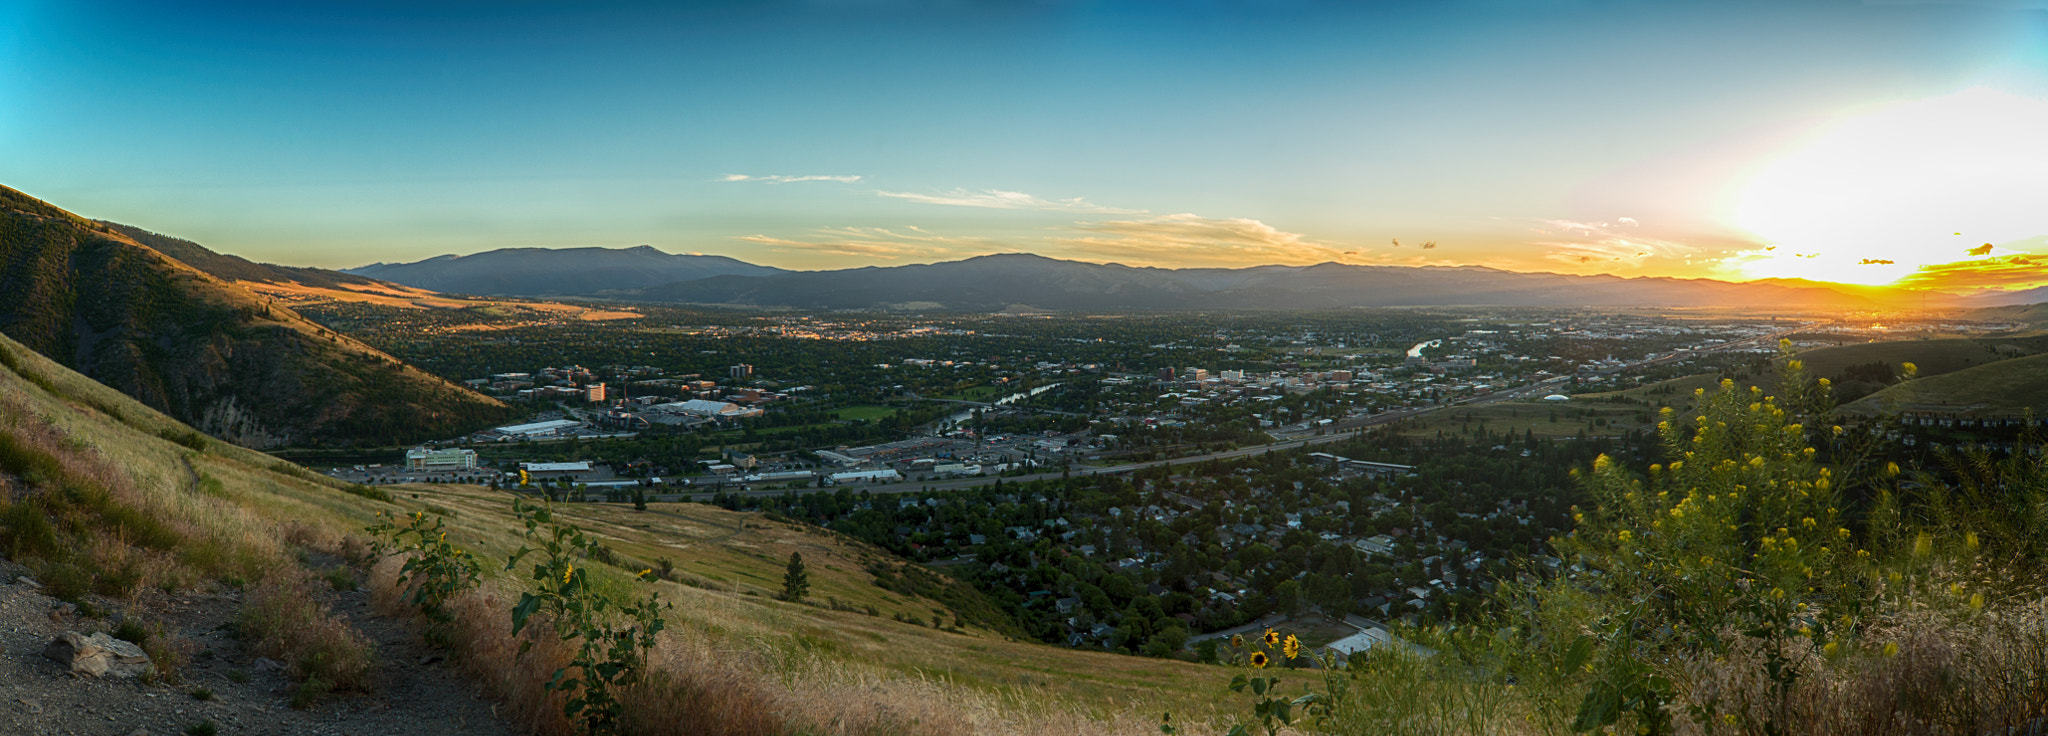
(1147, 554)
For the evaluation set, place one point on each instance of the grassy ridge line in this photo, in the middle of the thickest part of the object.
(1934, 357)
(2005, 388)
(212, 353)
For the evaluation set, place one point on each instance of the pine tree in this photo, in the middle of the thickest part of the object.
(795, 582)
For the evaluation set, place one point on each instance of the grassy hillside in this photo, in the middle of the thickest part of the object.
(2003, 388)
(211, 354)
(1934, 357)
(115, 505)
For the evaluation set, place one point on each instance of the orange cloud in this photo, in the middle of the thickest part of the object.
(1188, 240)
(2003, 272)
(914, 243)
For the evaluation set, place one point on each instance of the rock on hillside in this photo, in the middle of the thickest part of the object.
(209, 353)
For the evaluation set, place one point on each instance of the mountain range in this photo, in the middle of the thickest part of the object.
(552, 272)
(162, 320)
(989, 282)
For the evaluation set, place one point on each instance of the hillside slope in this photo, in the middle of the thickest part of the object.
(2005, 388)
(185, 521)
(235, 268)
(209, 353)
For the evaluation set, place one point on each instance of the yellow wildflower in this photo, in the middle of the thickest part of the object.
(1292, 648)
(1970, 540)
(1272, 637)
(1259, 659)
(1977, 602)
(567, 571)
(1891, 649)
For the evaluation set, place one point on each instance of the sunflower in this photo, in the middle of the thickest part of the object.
(1272, 637)
(1293, 647)
(1236, 641)
(1259, 659)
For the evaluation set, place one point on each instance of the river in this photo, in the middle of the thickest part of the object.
(955, 419)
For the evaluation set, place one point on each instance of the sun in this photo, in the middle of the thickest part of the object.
(1873, 199)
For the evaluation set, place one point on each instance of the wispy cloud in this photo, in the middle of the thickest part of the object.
(1192, 240)
(877, 243)
(1623, 244)
(1001, 200)
(780, 179)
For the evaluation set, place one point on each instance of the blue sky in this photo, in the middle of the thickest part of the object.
(1624, 137)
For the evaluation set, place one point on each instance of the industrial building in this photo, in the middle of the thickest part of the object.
(421, 458)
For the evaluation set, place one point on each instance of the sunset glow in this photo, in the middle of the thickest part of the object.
(1875, 199)
(1868, 143)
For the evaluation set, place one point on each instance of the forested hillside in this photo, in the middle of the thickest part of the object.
(209, 353)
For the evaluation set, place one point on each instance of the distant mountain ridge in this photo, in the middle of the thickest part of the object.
(202, 349)
(996, 281)
(643, 274)
(553, 272)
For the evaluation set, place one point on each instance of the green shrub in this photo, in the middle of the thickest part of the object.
(612, 638)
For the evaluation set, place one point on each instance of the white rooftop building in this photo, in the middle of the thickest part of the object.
(539, 429)
(712, 409)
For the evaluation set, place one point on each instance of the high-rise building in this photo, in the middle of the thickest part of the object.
(593, 392)
(742, 372)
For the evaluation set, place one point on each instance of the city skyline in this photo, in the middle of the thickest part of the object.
(1872, 143)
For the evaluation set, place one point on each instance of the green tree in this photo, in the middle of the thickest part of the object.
(795, 582)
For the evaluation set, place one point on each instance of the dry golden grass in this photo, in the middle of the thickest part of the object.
(741, 687)
(127, 511)
(1948, 674)
(733, 649)
(283, 618)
